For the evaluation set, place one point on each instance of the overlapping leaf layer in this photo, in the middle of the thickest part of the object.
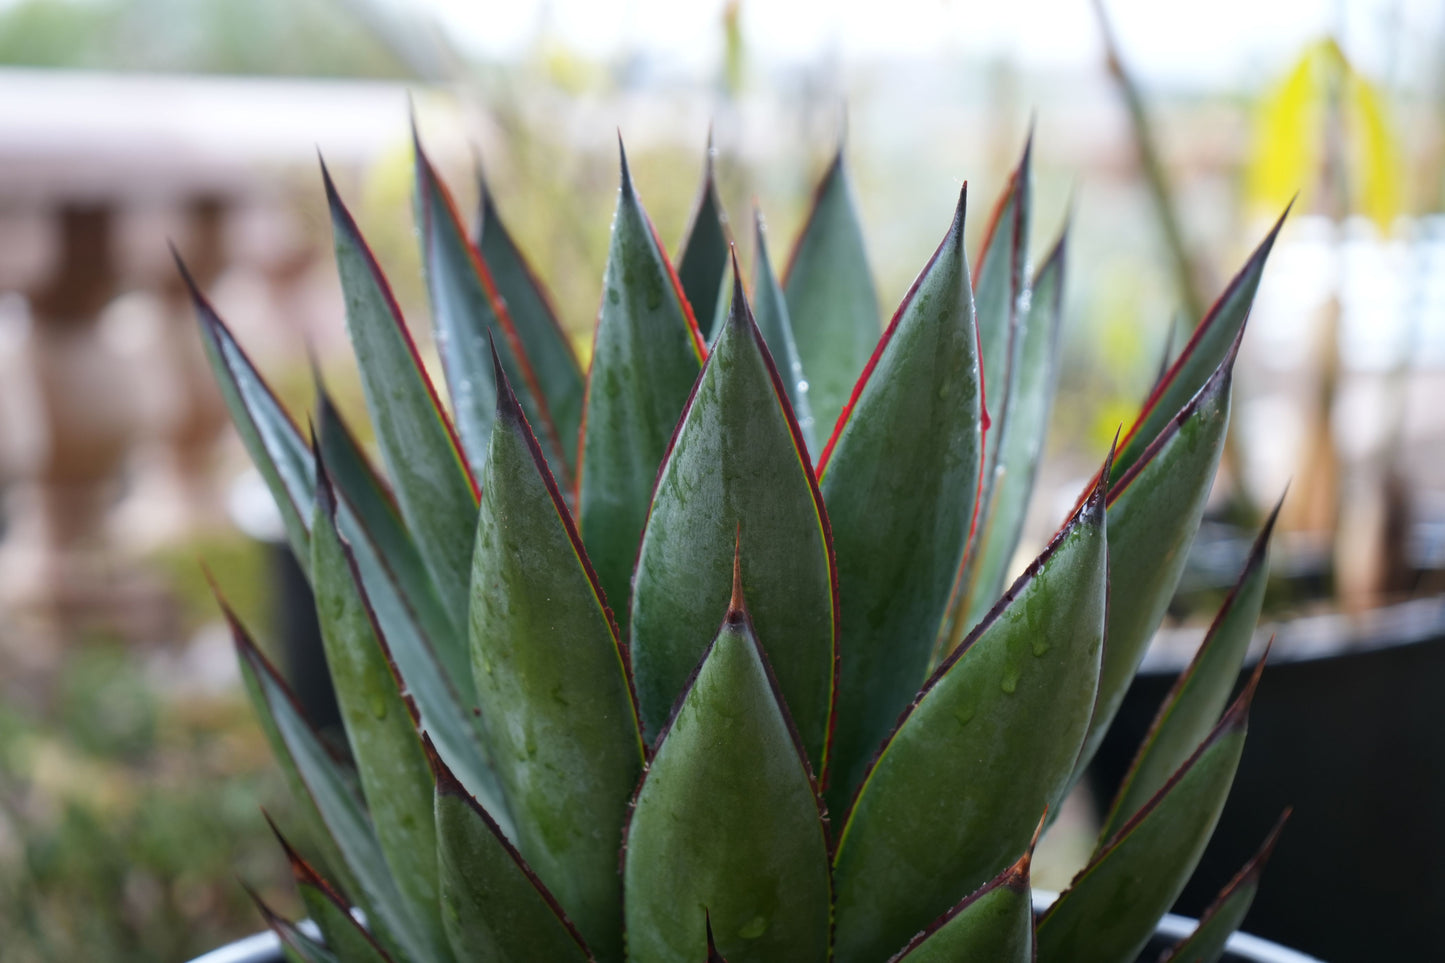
(648, 664)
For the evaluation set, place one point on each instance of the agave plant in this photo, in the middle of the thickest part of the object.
(637, 664)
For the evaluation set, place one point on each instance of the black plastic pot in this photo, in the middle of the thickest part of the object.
(1243, 948)
(1348, 727)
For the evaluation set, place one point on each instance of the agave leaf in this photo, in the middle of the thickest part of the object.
(1021, 428)
(713, 956)
(543, 342)
(466, 310)
(493, 906)
(557, 702)
(311, 760)
(380, 725)
(369, 515)
(419, 634)
(771, 312)
(644, 362)
(1207, 348)
(831, 299)
(1201, 693)
(1000, 290)
(1014, 701)
(1224, 916)
(897, 477)
(738, 471)
(726, 828)
(343, 832)
(435, 491)
(295, 944)
(722, 307)
(270, 436)
(1110, 910)
(702, 258)
(996, 924)
(330, 911)
(430, 683)
(1154, 512)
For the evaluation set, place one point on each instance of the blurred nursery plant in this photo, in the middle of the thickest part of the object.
(705, 653)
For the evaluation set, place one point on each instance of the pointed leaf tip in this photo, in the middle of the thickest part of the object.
(507, 404)
(1016, 876)
(738, 296)
(1266, 849)
(186, 277)
(1099, 497)
(303, 871)
(959, 213)
(333, 196)
(447, 784)
(325, 490)
(1217, 385)
(1266, 532)
(737, 606)
(626, 184)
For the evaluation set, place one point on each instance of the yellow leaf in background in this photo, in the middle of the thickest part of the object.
(1375, 167)
(1290, 139)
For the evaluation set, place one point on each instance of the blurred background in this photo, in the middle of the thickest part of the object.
(132, 776)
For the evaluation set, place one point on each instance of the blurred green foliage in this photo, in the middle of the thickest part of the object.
(235, 561)
(306, 38)
(127, 816)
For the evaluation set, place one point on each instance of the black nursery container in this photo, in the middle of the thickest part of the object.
(1348, 727)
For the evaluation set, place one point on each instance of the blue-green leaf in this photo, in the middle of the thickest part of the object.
(1196, 700)
(1223, 917)
(466, 310)
(896, 477)
(556, 698)
(1000, 284)
(368, 514)
(831, 299)
(771, 311)
(738, 470)
(1110, 911)
(542, 339)
(1154, 512)
(492, 905)
(435, 491)
(380, 726)
(726, 828)
(296, 945)
(647, 355)
(276, 448)
(1021, 428)
(702, 257)
(342, 828)
(993, 925)
(986, 748)
(330, 911)
(1207, 348)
